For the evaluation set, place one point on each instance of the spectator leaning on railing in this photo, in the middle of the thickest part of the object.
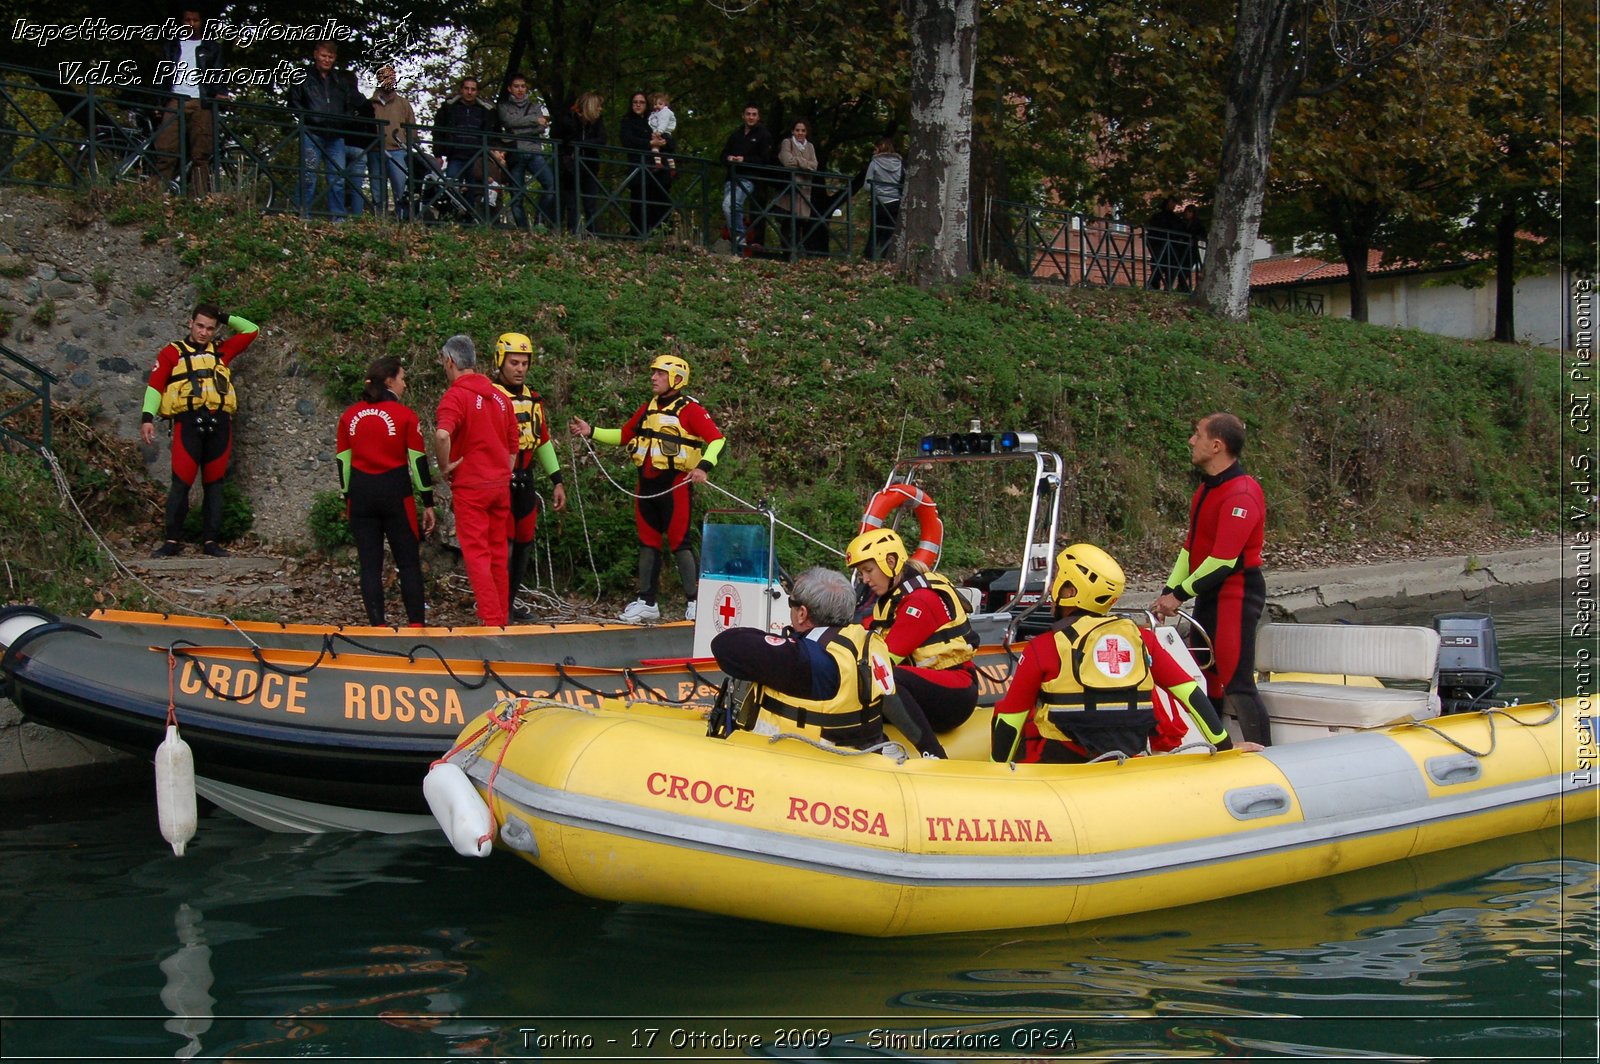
(325, 101)
(184, 62)
(397, 120)
(460, 130)
(526, 123)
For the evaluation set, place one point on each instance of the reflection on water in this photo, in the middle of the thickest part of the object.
(258, 946)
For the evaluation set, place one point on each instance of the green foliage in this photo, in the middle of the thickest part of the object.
(821, 373)
(237, 516)
(45, 312)
(330, 531)
(49, 559)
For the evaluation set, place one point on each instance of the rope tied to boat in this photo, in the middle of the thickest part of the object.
(1488, 713)
(60, 477)
(594, 456)
(888, 748)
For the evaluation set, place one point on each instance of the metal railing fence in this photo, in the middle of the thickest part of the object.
(33, 383)
(272, 160)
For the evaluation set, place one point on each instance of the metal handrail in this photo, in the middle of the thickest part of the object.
(35, 382)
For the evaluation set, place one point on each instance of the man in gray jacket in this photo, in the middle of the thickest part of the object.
(526, 123)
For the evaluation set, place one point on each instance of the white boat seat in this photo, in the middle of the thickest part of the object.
(1335, 653)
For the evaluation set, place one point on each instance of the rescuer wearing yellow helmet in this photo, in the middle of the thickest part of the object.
(924, 623)
(675, 444)
(1096, 683)
(513, 354)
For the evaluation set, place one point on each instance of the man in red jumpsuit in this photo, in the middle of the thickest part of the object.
(192, 386)
(1220, 567)
(474, 445)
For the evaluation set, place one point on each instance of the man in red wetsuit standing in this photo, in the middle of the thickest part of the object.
(474, 445)
(192, 386)
(1220, 567)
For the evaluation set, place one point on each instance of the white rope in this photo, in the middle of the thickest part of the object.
(752, 507)
(583, 517)
(60, 477)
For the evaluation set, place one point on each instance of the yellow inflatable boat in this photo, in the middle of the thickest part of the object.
(636, 803)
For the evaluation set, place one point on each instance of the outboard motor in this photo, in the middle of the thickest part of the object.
(1469, 662)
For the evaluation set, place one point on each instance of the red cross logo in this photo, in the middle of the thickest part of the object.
(727, 611)
(883, 673)
(1112, 656)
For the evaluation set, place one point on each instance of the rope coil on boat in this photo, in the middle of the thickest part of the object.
(1488, 714)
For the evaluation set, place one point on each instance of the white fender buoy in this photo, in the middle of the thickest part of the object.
(461, 814)
(175, 801)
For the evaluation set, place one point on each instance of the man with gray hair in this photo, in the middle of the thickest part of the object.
(475, 445)
(826, 675)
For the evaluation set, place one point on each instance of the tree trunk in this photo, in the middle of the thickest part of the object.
(1505, 275)
(933, 242)
(1355, 264)
(1260, 81)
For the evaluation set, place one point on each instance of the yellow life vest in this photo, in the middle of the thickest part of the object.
(200, 381)
(953, 642)
(1104, 681)
(530, 415)
(662, 442)
(854, 715)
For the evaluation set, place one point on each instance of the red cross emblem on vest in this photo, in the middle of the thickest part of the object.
(1112, 655)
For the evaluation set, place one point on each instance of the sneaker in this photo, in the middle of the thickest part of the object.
(170, 549)
(639, 611)
(690, 610)
(213, 549)
(521, 614)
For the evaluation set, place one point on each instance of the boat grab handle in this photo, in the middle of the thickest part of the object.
(1249, 803)
(517, 835)
(1451, 769)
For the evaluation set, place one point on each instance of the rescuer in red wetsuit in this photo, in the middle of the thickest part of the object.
(1095, 683)
(1220, 567)
(513, 354)
(192, 386)
(383, 466)
(924, 624)
(675, 444)
(475, 445)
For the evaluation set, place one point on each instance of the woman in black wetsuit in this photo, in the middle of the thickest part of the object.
(383, 466)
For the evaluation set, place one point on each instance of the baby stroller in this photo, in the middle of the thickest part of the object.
(435, 197)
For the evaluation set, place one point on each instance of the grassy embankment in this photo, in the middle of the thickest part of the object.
(818, 372)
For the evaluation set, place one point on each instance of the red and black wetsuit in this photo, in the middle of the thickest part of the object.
(1220, 567)
(661, 514)
(202, 438)
(382, 467)
(533, 449)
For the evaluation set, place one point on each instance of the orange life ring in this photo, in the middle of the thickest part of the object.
(931, 528)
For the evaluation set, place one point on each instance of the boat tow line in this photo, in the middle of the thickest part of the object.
(752, 507)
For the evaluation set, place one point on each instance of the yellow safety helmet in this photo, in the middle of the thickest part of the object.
(677, 369)
(1096, 578)
(876, 544)
(512, 342)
